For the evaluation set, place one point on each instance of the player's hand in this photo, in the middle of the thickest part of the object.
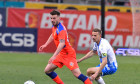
(42, 47)
(51, 59)
(78, 60)
(94, 76)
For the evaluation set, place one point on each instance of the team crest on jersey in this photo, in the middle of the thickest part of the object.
(71, 64)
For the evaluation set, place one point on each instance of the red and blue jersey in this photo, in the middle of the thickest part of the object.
(58, 33)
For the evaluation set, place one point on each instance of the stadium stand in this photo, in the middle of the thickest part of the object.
(87, 2)
(91, 5)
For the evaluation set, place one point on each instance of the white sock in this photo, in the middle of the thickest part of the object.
(90, 79)
(100, 81)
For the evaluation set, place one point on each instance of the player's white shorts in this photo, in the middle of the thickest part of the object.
(108, 69)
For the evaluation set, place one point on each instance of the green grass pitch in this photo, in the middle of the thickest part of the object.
(16, 68)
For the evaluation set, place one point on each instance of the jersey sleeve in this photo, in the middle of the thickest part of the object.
(94, 47)
(62, 35)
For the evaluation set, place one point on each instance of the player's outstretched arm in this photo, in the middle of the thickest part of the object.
(50, 39)
(59, 48)
(88, 55)
(98, 72)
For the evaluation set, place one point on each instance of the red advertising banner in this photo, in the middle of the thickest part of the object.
(79, 25)
(72, 19)
(81, 41)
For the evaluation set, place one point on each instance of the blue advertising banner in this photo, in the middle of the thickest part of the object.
(18, 39)
(1, 4)
(128, 51)
(12, 4)
(2, 17)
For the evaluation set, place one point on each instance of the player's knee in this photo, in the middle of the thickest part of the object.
(90, 72)
(77, 74)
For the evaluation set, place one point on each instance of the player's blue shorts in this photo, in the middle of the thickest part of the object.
(108, 69)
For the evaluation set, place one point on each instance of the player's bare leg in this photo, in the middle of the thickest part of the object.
(50, 67)
(49, 70)
(77, 73)
(91, 71)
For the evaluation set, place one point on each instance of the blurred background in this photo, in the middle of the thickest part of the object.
(25, 25)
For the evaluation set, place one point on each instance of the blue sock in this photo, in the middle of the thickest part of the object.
(52, 75)
(82, 77)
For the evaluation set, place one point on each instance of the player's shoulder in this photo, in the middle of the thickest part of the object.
(104, 41)
(60, 27)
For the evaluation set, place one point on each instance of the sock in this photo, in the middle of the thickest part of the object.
(55, 78)
(85, 79)
(100, 81)
(90, 79)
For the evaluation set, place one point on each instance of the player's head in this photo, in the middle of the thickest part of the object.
(55, 17)
(96, 35)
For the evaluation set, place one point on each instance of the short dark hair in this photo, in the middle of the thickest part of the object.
(97, 30)
(55, 12)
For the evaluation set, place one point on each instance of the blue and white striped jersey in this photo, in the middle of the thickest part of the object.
(104, 49)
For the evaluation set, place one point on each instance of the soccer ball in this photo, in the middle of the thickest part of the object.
(29, 82)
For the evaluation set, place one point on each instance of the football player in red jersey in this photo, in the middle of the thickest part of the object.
(64, 54)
